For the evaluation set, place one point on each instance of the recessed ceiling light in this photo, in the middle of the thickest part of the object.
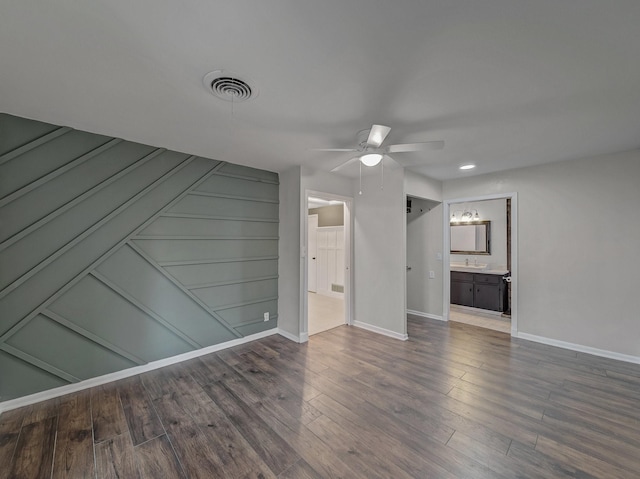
(467, 167)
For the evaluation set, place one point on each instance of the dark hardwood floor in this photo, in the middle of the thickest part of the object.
(455, 401)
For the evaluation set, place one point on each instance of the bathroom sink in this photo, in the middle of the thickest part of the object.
(468, 267)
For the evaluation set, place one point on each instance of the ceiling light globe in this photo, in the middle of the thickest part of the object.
(371, 159)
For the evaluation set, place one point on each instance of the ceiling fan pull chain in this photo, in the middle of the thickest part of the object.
(382, 173)
(360, 192)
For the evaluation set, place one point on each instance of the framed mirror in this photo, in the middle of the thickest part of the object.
(471, 238)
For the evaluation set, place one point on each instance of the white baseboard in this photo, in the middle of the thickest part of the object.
(425, 315)
(379, 330)
(303, 338)
(107, 378)
(580, 348)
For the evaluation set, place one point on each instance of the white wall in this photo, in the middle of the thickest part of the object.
(422, 187)
(578, 248)
(496, 212)
(289, 266)
(379, 236)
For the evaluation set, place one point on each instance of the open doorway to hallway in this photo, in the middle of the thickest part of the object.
(326, 263)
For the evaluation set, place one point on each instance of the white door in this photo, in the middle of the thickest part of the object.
(312, 253)
(330, 265)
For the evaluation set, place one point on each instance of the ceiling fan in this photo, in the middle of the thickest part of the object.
(370, 151)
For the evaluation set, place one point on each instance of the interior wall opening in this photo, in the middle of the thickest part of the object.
(327, 251)
(424, 257)
(480, 263)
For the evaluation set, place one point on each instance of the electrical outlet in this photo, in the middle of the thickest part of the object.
(432, 275)
(266, 316)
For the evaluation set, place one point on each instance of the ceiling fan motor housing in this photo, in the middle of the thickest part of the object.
(362, 136)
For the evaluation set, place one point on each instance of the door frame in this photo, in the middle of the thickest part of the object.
(446, 256)
(348, 259)
(315, 289)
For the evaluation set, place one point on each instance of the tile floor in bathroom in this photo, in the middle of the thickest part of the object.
(478, 318)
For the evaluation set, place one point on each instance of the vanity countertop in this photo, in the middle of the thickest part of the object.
(477, 269)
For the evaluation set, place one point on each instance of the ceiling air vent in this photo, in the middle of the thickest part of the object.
(228, 86)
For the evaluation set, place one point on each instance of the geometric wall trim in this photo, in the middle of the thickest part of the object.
(114, 254)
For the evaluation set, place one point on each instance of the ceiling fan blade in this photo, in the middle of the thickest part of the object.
(334, 149)
(346, 163)
(407, 147)
(377, 135)
(408, 163)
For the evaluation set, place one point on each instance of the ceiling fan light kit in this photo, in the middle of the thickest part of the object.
(371, 159)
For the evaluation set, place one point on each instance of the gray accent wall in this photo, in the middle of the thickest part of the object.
(114, 254)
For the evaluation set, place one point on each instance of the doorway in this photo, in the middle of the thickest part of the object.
(480, 284)
(327, 262)
(423, 257)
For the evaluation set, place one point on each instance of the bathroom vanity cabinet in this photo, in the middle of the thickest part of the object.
(484, 291)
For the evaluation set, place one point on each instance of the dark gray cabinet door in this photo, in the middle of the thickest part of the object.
(462, 293)
(488, 296)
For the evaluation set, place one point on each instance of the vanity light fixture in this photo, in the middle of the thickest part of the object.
(465, 216)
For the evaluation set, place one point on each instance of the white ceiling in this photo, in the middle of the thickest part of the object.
(506, 83)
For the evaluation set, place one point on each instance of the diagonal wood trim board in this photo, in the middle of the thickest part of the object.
(107, 378)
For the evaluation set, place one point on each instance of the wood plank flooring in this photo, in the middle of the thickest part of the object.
(455, 401)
